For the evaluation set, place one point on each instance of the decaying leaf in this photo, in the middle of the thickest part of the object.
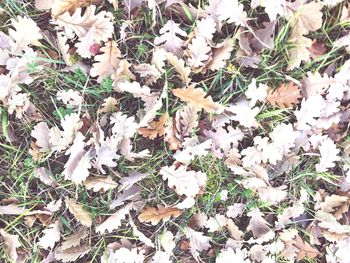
(155, 215)
(83, 216)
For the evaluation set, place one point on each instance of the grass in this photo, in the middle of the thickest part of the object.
(226, 85)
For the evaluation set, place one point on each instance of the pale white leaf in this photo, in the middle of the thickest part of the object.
(51, 235)
(115, 220)
(25, 33)
(186, 183)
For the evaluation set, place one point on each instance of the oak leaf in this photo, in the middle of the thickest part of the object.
(51, 236)
(80, 25)
(107, 62)
(169, 39)
(186, 183)
(199, 52)
(98, 183)
(83, 216)
(11, 243)
(72, 254)
(220, 53)
(41, 134)
(285, 96)
(198, 242)
(155, 128)
(196, 98)
(59, 7)
(179, 65)
(115, 220)
(155, 215)
(25, 33)
(74, 239)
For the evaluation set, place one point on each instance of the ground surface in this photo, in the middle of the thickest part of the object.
(174, 131)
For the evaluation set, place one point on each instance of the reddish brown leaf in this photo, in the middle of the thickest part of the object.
(154, 215)
(285, 96)
(155, 128)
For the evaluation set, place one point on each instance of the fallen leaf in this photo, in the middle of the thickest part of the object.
(83, 216)
(107, 62)
(74, 239)
(11, 243)
(115, 220)
(98, 183)
(72, 254)
(155, 215)
(285, 96)
(196, 98)
(155, 128)
(51, 235)
(169, 39)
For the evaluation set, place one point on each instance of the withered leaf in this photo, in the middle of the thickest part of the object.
(155, 128)
(285, 96)
(155, 215)
(83, 216)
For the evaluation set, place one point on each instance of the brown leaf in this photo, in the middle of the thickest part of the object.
(155, 128)
(100, 183)
(305, 249)
(61, 6)
(154, 215)
(285, 96)
(196, 98)
(84, 217)
(72, 254)
(318, 48)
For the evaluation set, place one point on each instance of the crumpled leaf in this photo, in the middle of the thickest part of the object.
(198, 242)
(41, 134)
(83, 216)
(198, 52)
(77, 167)
(74, 239)
(155, 128)
(305, 18)
(155, 215)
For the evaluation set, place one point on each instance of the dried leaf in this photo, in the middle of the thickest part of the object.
(98, 183)
(107, 62)
(155, 215)
(155, 128)
(83, 216)
(179, 65)
(198, 242)
(196, 98)
(45, 176)
(72, 254)
(11, 243)
(221, 53)
(305, 249)
(115, 220)
(74, 239)
(51, 236)
(186, 183)
(169, 39)
(25, 33)
(285, 96)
